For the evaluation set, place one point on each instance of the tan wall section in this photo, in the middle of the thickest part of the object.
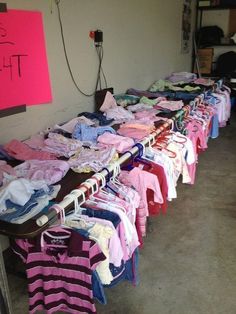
(141, 44)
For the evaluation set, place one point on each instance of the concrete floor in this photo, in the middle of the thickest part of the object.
(188, 263)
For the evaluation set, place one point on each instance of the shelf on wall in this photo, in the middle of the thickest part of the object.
(219, 45)
(222, 7)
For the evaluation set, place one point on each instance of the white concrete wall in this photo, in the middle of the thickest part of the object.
(141, 44)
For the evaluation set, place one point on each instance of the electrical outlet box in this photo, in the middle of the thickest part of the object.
(98, 36)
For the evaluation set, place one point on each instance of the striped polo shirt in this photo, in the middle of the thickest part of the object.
(59, 269)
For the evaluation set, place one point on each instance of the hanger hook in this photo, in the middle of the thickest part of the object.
(93, 183)
(74, 196)
(59, 210)
(101, 177)
(151, 139)
(116, 171)
(140, 149)
(108, 174)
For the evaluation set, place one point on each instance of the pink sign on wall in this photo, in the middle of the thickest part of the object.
(24, 76)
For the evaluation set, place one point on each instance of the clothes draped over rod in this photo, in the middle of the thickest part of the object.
(94, 234)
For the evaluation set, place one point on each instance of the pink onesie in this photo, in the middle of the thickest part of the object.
(120, 143)
(142, 181)
(21, 151)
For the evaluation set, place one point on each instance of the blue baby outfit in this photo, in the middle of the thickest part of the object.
(98, 116)
(86, 133)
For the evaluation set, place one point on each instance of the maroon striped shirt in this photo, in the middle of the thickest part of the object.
(60, 278)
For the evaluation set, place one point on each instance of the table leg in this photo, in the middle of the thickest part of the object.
(4, 284)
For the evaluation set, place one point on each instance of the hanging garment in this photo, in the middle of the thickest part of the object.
(154, 208)
(126, 229)
(161, 158)
(84, 223)
(59, 271)
(142, 181)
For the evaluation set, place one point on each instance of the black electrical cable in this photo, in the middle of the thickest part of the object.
(100, 57)
(104, 77)
(99, 67)
(67, 60)
(98, 50)
(100, 53)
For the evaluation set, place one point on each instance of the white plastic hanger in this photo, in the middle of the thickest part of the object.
(114, 180)
(103, 203)
(101, 177)
(56, 228)
(76, 215)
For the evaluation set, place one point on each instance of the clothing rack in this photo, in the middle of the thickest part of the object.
(67, 203)
(79, 193)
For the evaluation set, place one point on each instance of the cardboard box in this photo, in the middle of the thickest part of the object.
(204, 3)
(205, 58)
(232, 22)
(215, 3)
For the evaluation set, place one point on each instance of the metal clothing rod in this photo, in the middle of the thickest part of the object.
(67, 201)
